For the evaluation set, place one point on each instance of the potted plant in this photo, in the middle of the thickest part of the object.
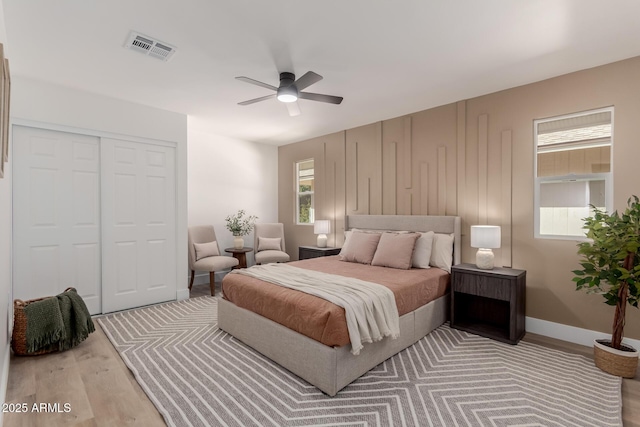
(611, 267)
(240, 226)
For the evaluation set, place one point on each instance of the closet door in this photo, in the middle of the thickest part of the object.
(138, 224)
(56, 215)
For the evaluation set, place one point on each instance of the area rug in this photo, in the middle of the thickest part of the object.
(198, 375)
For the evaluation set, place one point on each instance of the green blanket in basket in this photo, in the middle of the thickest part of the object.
(63, 321)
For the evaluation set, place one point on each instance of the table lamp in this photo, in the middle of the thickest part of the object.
(485, 238)
(321, 227)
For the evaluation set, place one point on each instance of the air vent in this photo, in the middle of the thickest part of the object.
(150, 47)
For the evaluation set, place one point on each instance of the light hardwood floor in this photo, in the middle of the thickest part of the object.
(103, 392)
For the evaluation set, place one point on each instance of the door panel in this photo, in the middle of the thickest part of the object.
(56, 215)
(138, 193)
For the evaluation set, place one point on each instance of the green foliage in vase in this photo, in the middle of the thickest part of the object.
(611, 262)
(239, 225)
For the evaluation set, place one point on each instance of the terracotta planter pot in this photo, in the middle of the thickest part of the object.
(623, 363)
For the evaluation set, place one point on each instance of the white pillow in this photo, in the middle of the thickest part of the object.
(442, 251)
(347, 236)
(422, 250)
(204, 250)
(269, 244)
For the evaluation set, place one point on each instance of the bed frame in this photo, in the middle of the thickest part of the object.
(332, 368)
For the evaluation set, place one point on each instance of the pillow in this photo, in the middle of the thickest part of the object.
(269, 244)
(347, 237)
(204, 250)
(360, 247)
(395, 250)
(442, 251)
(422, 251)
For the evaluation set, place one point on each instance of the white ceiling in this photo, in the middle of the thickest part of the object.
(386, 58)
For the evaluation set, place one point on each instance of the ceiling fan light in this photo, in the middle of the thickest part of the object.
(287, 97)
(287, 94)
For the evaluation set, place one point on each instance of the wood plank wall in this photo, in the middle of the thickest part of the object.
(434, 162)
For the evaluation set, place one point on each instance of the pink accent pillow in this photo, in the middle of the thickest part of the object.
(395, 250)
(360, 248)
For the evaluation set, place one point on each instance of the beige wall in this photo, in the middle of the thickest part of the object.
(475, 159)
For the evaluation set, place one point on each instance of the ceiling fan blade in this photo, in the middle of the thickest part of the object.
(255, 82)
(294, 108)
(307, 80)
(320, 97)
(253, 101)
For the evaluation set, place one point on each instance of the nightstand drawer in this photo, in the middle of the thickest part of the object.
(485, 286)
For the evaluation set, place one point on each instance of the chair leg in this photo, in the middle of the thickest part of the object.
(193, 275)
(212, 283)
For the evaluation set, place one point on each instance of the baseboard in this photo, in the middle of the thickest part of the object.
(4, 380)
(570, 333)
(182, 294)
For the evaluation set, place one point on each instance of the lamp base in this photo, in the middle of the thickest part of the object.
(484, 259)
(322, 240)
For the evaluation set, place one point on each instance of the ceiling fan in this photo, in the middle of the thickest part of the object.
(290, 90)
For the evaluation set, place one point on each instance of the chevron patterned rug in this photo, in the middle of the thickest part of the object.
(197, 375)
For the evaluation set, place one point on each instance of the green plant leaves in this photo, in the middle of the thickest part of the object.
(238, 225)
(611, 258)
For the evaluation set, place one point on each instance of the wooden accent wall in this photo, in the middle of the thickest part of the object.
(410, 165)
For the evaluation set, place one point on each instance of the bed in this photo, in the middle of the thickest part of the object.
(324, 360)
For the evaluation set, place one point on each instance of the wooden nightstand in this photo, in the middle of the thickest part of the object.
(306, 252)
(490, 303)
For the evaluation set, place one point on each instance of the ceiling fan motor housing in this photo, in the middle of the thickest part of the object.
(287, 79)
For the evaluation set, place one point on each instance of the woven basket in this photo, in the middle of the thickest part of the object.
(615, 362)
(19, 336)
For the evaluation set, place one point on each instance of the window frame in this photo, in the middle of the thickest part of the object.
(607, 177)
(299, 193)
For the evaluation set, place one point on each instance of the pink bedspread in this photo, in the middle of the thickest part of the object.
(319, 319)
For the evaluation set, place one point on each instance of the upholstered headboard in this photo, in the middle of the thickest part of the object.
(437, 224)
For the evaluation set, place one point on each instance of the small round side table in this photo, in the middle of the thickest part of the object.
(240, 255)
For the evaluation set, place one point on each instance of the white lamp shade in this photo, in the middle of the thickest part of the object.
(321, 226)
(485, 236)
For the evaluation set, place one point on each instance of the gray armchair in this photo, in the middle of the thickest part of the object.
(269, 243)
(204, 254)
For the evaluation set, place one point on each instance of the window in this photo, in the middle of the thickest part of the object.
(572, 172)
(304, 192)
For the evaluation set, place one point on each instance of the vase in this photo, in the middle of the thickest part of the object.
(623, 363)
(238, 242)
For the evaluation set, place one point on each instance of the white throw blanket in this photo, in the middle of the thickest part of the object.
(370, 308)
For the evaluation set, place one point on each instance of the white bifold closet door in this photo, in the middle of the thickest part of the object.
(138, 223)
(94, 213)
(56, 215)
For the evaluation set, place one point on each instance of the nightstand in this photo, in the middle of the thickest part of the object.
(240, 255)
(490, 303)
(306, 252)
